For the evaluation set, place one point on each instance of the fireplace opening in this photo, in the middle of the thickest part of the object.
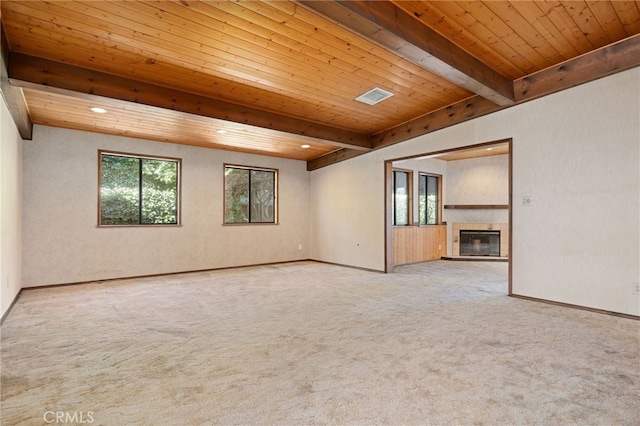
(479, 243)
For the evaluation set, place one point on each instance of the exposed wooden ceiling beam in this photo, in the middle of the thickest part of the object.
(605, 61)
(332, 158)
(599, 63)
(459, 112)
(39, 73)
(462, 111)
(389, 26)
(13, 96)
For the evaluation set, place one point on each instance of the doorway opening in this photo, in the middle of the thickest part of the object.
(471, 192)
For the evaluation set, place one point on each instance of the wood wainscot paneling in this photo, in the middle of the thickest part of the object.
(412, 244)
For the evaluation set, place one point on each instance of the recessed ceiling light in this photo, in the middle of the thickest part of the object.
(305, 146)
(221, 131)
(374, 96)
(98, 110)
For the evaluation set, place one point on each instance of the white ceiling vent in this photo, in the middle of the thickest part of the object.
(374, 96)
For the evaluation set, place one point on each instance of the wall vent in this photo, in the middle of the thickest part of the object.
(374, 96)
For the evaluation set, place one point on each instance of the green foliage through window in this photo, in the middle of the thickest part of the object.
(138, 190)
(249, 195)
(401, 198)
(428, 200)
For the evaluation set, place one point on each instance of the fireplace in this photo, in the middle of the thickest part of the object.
(479, 243)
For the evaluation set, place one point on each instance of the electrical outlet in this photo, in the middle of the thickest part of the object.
(636, 288)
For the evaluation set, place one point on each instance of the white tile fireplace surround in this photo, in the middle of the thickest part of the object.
(502, 227)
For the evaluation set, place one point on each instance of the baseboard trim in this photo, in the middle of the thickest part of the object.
(475, 259)
(583, 308)
(193, 271)
(348, 266)
(517, 296)
(13, 302)
(418, 262)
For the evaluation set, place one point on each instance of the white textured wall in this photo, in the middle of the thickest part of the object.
(10, 208)
(62, 244)
(347, 211)
(578, 157)
(575, 153)
(483, 180)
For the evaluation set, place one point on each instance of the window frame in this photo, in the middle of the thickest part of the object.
(176, 160)
(276, 193)
(438, 198)
(409, 174)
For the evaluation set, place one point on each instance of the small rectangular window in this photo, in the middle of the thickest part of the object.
(429, 199)
(401, 199)
(138, 190)
(249, 195)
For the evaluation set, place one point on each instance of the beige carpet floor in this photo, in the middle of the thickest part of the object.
(311, 343)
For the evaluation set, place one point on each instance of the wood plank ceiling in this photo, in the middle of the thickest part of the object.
(282, 74)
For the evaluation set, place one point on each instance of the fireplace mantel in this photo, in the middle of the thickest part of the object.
(477, 206)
